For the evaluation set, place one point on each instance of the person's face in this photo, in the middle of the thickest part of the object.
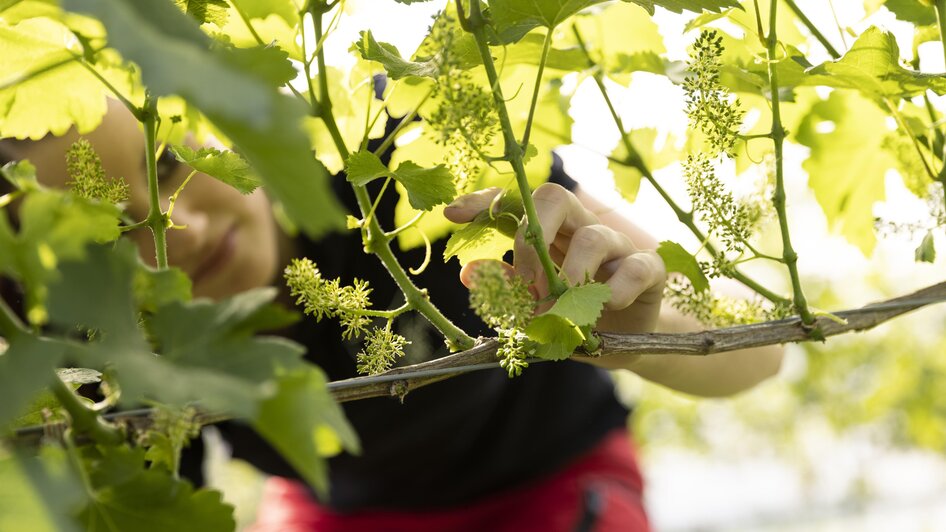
(229, 243)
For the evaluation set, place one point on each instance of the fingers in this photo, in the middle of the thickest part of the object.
(467, 206)
(590, 247)
(639, 277)
(559, 213)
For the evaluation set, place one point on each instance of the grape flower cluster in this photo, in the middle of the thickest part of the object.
(87, 176)
(350, 305)
(505, 304)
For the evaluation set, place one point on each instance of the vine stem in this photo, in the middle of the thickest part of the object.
(85, 420)
(399, 381)
(812, 28)
(156, 220)
(778, 138)
(376, 241)
(476, 24)
(10, 324)
(686, 218)
(538, 85)
(940, 6)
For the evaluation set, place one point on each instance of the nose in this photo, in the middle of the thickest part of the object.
(187, 240)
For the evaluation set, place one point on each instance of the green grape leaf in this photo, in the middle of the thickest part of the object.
(677, 259)
(364, 167)
(20, 174)
(514, 18)
(54, 226)
(268, 62)
(582, 304)
(847, 165)
(129, 497)
(483, 238)
(39, 493)
(54, 101)
(559, 328)
(394, 64)
(304, 423)
(260, 9)
(226, 166)
(679, 6)
(701, 20)
(263, 124)
(627, 178)
(217, 339)
(156, 288)
(269, 28)
(557, 336)
(209, 351)
(26, 368)
(488, 236)
(926, 252)
(919, 12)
(186, 65)
(872, 66)
(281, 154)
(605, 34)
(205, 11)
(426, 187)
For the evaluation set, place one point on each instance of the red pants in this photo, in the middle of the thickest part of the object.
(600, 491)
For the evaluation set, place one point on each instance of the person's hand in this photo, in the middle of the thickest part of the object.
(582, 247)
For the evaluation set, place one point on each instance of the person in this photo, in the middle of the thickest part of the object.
(545, 451)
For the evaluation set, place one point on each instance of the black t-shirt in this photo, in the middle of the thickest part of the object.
(452, 441)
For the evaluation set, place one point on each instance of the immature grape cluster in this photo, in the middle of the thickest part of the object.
(710, 107)
(719, 311)
(349, 304)
(87, 176)
(730, 220)
(466, 120)
(505, 304)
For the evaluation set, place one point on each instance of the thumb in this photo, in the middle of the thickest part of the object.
(468, 272)
(467, 206)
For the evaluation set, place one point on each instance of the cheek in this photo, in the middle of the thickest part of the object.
(261, 242)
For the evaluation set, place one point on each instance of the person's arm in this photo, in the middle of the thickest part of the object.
(587, 238)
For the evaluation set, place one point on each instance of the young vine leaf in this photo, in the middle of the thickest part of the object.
(304, 423)
(390, 58)
(126, 496)
(426, 187)
(872, 66)
(226, 166)
(677, 259)
(490, 235)
(559, 328)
